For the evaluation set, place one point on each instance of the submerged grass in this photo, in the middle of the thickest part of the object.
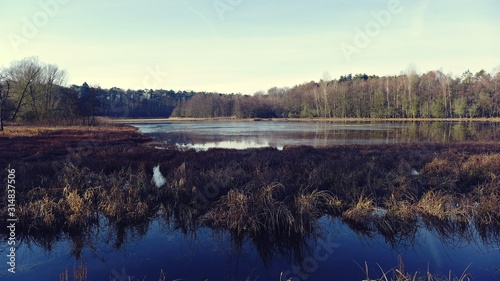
(80, 273)
(400, 274)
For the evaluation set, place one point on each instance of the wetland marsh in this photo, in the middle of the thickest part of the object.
(131, 202)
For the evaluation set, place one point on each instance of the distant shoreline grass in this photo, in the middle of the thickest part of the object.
(33, 131)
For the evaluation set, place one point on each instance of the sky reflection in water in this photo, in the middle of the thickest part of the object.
(242, 135)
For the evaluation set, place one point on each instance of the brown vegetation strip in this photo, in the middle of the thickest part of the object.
(70, 178)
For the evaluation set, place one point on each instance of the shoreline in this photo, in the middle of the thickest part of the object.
(344, 120)
(27, 141)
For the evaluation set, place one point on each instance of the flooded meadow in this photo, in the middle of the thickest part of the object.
(264, 200)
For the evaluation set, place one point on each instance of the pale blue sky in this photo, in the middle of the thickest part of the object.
(243, 45)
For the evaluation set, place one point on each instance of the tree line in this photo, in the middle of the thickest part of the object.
(408, 95)
(32, 91)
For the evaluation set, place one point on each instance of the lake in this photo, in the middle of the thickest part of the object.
(241, 135)
(335, 250)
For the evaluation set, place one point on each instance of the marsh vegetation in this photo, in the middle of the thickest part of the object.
(270, 191)
(116, 178)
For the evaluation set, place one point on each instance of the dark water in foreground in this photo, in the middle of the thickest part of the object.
(338, 253)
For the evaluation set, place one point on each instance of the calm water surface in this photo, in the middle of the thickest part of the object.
(339, 253)
(241, 135)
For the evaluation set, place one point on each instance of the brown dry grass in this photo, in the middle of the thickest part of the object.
(80, 272)
(270, 190)
(441, 206)
(32, 131)
(361, 212)
(401, 208)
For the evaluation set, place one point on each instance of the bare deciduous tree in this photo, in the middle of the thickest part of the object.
(22, 74)
(4, 95)
(35, 88)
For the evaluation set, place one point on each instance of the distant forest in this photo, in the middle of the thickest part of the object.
(32, 91)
